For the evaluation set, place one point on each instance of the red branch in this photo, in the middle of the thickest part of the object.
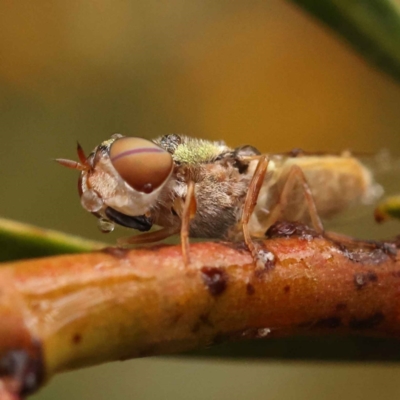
(65, 312)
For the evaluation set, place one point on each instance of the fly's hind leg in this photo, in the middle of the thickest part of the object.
(188, 212)
(256, 183)
(294, 176)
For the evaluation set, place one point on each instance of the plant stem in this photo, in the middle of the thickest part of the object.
(70, 311)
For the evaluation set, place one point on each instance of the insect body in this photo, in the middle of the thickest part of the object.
(206, 189)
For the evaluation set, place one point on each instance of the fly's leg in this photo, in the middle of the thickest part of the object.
(248, 208)
(296, 175)
(148, 237)
(188, 212)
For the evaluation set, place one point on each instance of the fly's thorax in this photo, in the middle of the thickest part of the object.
(220, 190)
(221, 176)
(187, 150)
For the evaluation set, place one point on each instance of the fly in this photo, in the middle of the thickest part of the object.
(205, 189)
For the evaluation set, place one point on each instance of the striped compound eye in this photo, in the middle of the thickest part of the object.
(141, 164)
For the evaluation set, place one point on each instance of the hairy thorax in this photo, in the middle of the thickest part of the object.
(220, 191)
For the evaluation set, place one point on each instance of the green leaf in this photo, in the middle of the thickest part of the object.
(388, 208)
(18, 241)
(372, 27)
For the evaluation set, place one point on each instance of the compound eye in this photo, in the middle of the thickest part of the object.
(141, 164)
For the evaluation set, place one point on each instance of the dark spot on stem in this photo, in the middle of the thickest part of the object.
(286, 289)
(25, 368)
(203, 320)
(116, 252)
(367, 323)
(250, 289)
(215, 279)
(175, 318)
(331, 323)
(341, 307)
(361, 279)
(77, 338)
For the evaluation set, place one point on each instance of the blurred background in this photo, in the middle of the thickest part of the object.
(255, 72)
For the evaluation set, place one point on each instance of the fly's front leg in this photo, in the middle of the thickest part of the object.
(296, 175)
(148, 237)
(250, 202)
(188, 212)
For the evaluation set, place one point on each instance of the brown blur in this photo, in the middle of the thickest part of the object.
(262, 73)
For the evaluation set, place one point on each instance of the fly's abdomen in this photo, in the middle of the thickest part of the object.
(335, 182)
